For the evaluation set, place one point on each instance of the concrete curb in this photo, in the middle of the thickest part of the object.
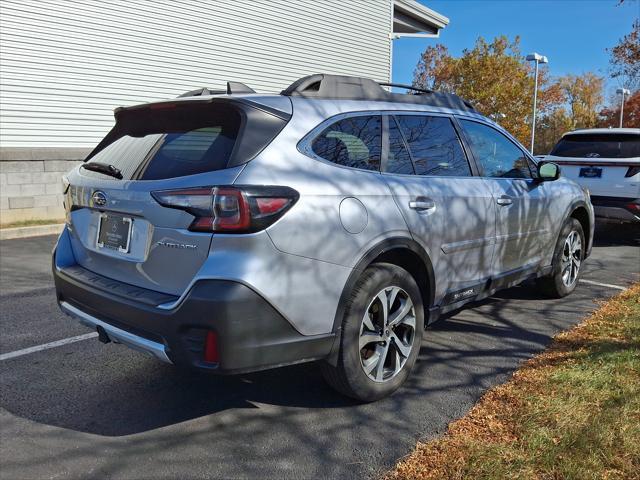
(36, 231)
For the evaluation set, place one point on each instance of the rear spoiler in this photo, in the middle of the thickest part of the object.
(125, 116)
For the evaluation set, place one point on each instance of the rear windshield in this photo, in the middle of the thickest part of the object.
(158, 142)
(598, 146)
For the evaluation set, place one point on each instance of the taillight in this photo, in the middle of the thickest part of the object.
(634, 207)
(632, 171)
(230, 209)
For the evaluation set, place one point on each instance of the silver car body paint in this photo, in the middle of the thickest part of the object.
(302, 262)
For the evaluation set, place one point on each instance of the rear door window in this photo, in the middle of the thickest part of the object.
(398, 160)
(434, 145)
(586, 145)
(354, 142)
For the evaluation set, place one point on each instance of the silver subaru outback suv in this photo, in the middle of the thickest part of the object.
(233, 231)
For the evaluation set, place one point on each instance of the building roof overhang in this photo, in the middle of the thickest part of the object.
(411, 18)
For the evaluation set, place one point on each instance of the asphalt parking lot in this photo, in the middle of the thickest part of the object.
(88, 410)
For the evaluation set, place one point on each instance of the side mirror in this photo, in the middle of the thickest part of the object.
(548, 172)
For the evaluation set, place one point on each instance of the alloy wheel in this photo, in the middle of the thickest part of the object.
(571, 258)
(387, 334)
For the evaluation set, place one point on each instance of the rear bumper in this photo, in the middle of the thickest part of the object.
(117, 335)
(617, 210)
(251, 334)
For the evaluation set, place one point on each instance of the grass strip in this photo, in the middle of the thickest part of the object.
(571, 412)
(30, 223)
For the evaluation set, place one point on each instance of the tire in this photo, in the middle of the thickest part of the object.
(565, 268)
(367, 338)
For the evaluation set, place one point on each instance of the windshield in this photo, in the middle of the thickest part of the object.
(598, 146)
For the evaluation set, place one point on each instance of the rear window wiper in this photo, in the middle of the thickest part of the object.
(105, 168)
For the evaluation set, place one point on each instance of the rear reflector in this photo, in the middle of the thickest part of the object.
(230, 209)
(211, 347)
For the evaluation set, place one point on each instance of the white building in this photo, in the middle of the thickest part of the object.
(66, 64)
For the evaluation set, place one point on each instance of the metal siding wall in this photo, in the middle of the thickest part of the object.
(65, 65)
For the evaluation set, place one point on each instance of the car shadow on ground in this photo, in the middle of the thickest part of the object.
(119, 392)
(616, 235)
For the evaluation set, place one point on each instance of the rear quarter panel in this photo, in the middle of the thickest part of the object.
(563, 197)
(322, 225)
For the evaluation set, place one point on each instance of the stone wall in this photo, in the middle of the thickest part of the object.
(31, 182)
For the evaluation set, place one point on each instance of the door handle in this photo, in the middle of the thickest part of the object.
(504, 200)
(422, 203)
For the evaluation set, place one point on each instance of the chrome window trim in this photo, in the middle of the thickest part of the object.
(304, 145)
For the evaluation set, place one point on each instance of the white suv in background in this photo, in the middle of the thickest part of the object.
(607, 162)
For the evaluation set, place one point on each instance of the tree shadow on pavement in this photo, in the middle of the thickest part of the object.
(120, 393)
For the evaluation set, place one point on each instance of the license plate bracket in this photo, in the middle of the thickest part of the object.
(114, 232)
(591, 172)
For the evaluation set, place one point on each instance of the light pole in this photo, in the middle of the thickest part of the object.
(535, 57)
(622, 92)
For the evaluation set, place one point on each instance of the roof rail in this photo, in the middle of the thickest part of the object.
(232, 87)
(323, 86)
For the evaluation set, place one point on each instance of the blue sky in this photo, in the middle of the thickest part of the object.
(573, 34)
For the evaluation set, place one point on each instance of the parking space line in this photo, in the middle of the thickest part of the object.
(86, 336)
(608, 285)
(46, 346)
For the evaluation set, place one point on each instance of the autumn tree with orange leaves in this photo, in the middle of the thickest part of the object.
(625, 59)
(625, 66)
(499, 82)
(494, 77)
(579, 99)
(610, 116)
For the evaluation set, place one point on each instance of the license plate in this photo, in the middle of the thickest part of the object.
(114, 232)
(591, 172)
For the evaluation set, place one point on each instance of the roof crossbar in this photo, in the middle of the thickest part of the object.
(202, 92)
(338, 87)
(405, 86)
(232, 88)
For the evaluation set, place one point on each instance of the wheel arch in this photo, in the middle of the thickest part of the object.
(580, 211)
(403, 252)
(581, 214)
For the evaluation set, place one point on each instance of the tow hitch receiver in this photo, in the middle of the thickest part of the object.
(102, 335)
